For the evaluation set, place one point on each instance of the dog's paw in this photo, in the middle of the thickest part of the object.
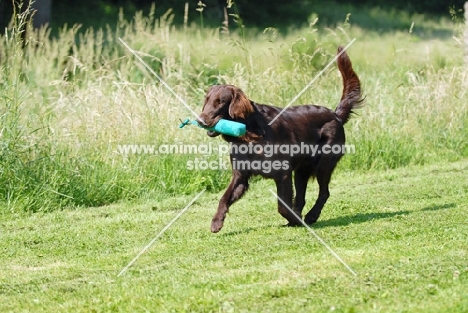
(309, 220)
(294, 224)
(216, 226)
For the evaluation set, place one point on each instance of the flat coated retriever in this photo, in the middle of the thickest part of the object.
(302, 140)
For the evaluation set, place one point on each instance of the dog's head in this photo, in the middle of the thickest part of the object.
(224, 102)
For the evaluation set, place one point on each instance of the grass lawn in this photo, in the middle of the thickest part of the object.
(403, 232)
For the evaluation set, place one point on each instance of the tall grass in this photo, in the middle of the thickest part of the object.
(67, 102)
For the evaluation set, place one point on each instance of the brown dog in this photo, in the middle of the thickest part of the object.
(267, 150)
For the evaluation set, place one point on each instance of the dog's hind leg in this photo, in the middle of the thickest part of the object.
(324, 172)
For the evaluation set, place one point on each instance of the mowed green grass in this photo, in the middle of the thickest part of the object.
(403, 232)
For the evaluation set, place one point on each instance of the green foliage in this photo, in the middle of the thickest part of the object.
(68, 102)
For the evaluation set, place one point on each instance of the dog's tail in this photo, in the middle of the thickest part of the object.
(351, 98)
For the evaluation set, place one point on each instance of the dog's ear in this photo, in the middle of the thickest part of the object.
(240, 107)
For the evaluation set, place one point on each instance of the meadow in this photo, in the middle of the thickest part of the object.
(74, 209)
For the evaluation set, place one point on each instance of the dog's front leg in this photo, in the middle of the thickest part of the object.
(285, 195)
(236, 189)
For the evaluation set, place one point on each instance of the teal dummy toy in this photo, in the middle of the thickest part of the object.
(223, 126)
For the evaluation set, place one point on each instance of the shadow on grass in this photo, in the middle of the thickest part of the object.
(365, 217)
(437, 207)
(345, 220)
